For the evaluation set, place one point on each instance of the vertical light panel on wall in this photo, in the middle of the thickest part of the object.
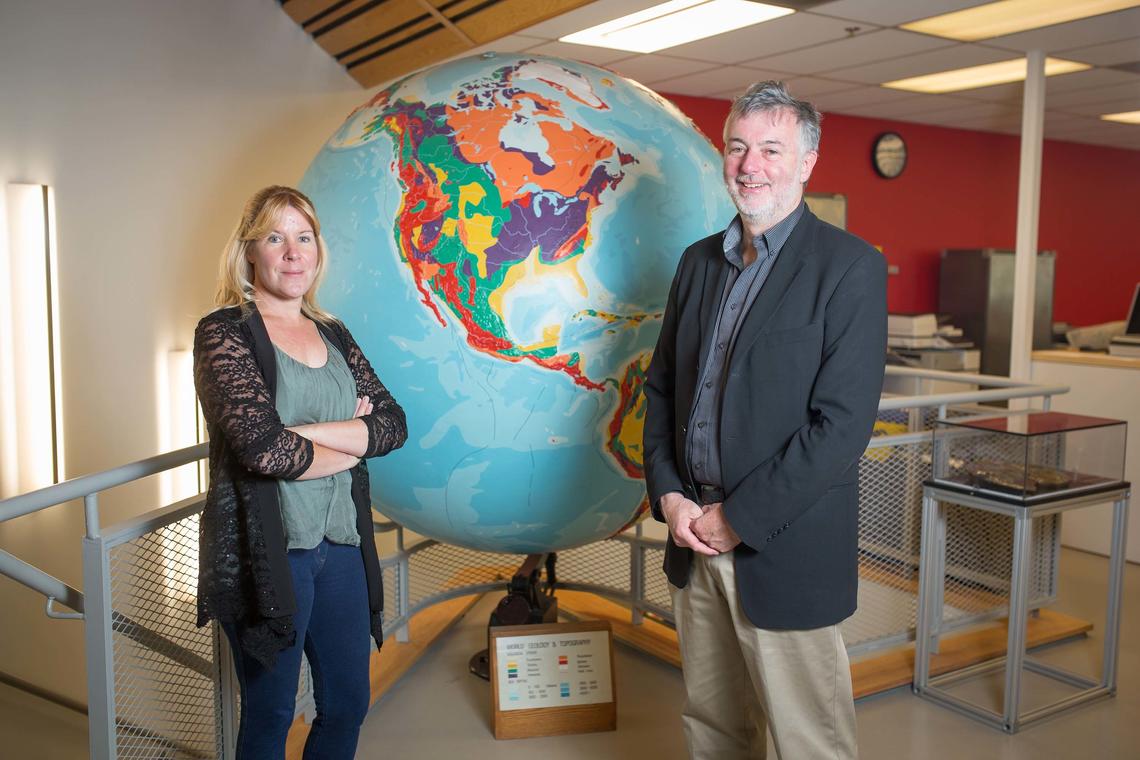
(31, 438)
(178, 425)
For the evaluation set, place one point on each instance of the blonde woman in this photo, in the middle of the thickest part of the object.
(288, 560)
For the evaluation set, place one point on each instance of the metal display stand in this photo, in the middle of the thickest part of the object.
(932, 573)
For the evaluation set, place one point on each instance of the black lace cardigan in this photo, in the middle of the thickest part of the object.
(244, 575)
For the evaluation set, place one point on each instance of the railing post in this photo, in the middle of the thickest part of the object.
(402, 593)
(99, 649)
(225, 701)
(636, 578)
(91, 514)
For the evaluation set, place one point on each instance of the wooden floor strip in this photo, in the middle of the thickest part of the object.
(871, 674)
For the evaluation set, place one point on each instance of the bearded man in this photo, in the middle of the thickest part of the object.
(762, 393)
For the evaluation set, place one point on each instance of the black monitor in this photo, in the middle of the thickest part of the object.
(1133, 327)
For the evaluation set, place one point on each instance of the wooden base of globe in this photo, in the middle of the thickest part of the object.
(871, 674)
(391, 663)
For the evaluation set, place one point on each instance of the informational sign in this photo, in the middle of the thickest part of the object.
(552, 679)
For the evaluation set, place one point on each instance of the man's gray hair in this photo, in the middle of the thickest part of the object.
(773, 96)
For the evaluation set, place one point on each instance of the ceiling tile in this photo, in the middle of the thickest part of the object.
(892, 12)
(810, 87)
(1125, 91)
(1083, 126)
(588, 15)
(724, 79)
(798, 30)
(903, 109)
(977, 111)
(648, 69)
(956, 56)
(1062, 120)
(837, 102)
(991, 123)
(978, 116)
(1108, 27)
(862, 48)
(1079, 80)
(1101, 107)
(1123, 51)
(586, 53)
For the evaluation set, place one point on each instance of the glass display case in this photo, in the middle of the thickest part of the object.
(1029, 457)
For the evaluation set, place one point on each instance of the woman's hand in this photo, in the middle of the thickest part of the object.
(363, 407)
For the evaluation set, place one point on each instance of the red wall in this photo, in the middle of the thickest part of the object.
(959, 190)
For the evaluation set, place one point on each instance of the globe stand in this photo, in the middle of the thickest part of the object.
(528, 602)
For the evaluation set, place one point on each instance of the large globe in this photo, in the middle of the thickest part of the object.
(503, 233)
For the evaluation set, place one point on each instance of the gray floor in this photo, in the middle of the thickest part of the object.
(440, 711)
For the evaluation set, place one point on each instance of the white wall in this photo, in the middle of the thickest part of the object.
(1098, 391)
(153, 120)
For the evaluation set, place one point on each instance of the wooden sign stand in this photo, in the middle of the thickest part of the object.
(546, 666)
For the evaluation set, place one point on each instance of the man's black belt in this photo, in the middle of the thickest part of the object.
(706, 494)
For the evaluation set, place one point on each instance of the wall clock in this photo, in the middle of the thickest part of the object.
(888, 155)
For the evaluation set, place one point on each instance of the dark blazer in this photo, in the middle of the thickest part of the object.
(800, 397)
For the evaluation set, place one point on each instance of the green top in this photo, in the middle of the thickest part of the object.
(322, 507)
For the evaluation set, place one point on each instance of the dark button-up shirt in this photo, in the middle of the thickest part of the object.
(740, 291)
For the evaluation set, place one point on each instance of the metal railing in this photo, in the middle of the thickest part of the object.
(159, 687)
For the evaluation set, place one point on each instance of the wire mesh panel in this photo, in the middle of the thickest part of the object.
(979, 553)
(603, 564)
(656, 584)
(977, 560)
(165, 674)
(442, 567)
(890, 521)
(439, 568)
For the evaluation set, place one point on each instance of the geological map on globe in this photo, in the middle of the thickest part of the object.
(527, 206)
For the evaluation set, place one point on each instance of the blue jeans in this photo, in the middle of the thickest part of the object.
(332, 629)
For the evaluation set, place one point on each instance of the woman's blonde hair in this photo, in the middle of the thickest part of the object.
(262, 211)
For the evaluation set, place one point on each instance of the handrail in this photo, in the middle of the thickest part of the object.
(37, 580)
(970, 397)
(85, 485)
(999, 381)
(1004, 388)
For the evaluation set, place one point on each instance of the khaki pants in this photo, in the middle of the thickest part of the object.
(741, 680)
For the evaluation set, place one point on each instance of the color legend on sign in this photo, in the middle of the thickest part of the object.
(553, 669)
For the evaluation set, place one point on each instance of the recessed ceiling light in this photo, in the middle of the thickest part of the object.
(675, 23)
(1127, 117)
(1009, 16)
(981, 76)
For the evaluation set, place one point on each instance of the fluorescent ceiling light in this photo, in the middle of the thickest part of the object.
(981, 76)
(674, 23)
(1127, 117)
(1009, 16)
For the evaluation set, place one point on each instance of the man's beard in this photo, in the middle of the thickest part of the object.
(765, 214)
